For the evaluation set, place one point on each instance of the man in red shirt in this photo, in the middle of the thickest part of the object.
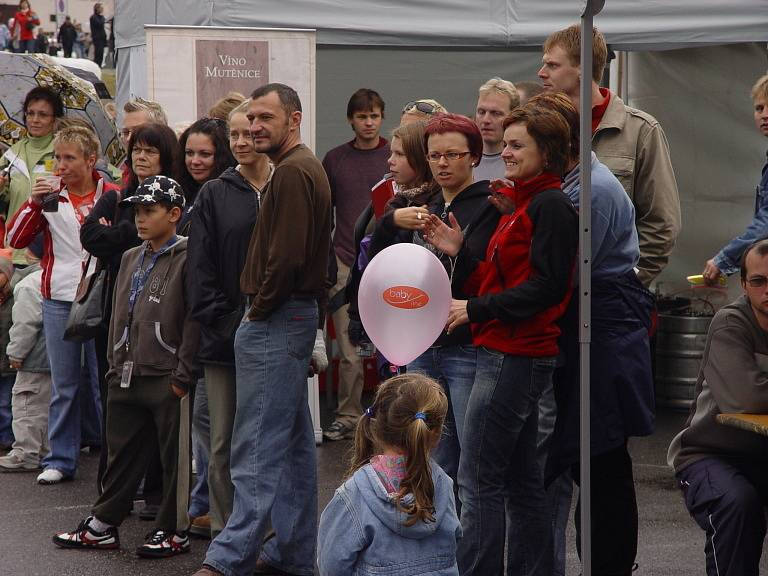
(629, 141)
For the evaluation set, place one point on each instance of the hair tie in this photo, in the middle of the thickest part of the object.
(368, 412)
(420, 416)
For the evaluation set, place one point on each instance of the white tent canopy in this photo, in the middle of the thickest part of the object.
(627, 24)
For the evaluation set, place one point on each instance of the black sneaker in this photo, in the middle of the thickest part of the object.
(163, 544)
(86, 537)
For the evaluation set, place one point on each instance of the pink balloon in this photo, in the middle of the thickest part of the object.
(404, 299)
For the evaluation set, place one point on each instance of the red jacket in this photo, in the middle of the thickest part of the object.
(63, 254)
(20, 21)
(524, 283)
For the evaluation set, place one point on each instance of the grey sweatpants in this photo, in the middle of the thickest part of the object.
(30, 399)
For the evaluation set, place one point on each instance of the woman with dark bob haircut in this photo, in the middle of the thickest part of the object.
(110, 230)
(452, 147)
(522, 288)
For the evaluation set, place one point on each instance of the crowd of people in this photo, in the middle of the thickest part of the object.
(24, 33)
(221, 254)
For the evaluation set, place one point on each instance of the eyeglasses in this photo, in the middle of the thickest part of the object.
(757, 281)
(434, 157)
(421, 106)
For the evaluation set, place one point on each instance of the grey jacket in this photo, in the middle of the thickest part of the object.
(27, 341)
(633, 145)
(161, 338)
(733, 378)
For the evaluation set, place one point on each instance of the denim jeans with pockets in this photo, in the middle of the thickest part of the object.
(499, 461)
(454, 368)
(272, 463)
(73, 372)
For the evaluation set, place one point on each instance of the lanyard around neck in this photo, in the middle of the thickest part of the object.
(139, 280)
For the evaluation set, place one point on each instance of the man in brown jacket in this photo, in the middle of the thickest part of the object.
(272, 462)
(630, 142)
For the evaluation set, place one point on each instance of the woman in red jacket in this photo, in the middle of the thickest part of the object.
(522, 287)
(24, 22)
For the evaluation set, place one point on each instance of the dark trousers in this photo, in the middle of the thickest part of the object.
(727, 499)
(614, 513)
(134, 415)
(98, 52)
(153, 481)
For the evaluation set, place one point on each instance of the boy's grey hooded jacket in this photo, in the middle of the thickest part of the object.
(162, 336)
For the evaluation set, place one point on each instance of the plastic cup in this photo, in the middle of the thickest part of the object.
(51, 201)
(53, 181)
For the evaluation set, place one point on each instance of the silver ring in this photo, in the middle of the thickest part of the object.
(418, 215)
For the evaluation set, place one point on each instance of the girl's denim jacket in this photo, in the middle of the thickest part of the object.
(362, 532)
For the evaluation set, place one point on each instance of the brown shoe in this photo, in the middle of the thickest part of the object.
(207, 571)
(201, 527)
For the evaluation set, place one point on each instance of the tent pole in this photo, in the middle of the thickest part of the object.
(585, 278)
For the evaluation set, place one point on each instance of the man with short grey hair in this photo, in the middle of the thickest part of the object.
(496, 99)
(137, 112)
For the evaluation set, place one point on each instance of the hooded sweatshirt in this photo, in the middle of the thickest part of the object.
(362, 531)
(478, 219)
(161, 339)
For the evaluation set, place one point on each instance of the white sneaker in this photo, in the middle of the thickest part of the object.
(50, 476)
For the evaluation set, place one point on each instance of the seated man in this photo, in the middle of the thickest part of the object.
(721, 470)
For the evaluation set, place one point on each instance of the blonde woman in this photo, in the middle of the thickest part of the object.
(76, 150)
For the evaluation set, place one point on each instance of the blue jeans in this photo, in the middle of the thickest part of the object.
(6, 417)
(272, 463)
(91, 409)
(201, 450)
(454, 368)
(499, 460)
(69, 379)
(559, 493)
(27, 46)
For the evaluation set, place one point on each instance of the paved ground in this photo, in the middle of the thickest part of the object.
(670, 543)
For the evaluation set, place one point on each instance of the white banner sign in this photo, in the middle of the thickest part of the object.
(190, 67)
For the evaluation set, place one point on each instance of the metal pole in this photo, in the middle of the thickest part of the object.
(585, 278)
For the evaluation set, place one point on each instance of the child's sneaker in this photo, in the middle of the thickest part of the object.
(86, 537)
(163, 544)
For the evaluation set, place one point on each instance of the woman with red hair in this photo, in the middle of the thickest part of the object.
(453, 147)
(523, 288)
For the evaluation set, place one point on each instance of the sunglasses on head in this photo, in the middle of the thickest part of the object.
(421, 106)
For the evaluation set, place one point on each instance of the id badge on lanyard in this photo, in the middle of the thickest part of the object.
(125, 379)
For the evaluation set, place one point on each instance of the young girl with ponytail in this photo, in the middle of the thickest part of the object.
(395, 514)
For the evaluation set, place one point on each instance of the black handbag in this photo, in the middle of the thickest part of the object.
(88, 316)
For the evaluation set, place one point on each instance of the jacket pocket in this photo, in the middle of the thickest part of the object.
(623, 167)
(151, 348)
